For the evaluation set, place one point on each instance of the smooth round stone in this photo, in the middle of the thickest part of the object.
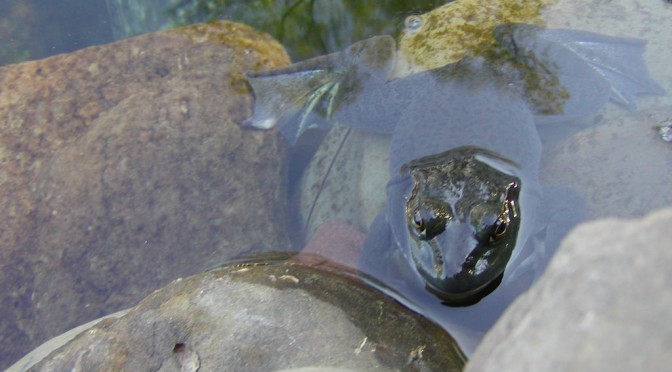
(264, 316)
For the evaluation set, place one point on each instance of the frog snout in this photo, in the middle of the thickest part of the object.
(454, 277)
(455, 243)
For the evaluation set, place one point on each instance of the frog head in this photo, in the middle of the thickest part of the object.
(462, 216)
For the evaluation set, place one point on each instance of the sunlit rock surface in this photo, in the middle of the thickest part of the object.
(458, 29)
(604, 303)
(262, 318)
(123, 167)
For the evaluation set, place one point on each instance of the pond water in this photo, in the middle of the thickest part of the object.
(33, 29)
(610, 159)
(566, 162)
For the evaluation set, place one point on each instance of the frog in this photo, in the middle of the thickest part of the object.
(306, 83)
(451, 192)
(466, 226)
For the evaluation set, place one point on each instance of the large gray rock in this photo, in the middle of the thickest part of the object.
(604, 303)
(261, 318)
(122, 167)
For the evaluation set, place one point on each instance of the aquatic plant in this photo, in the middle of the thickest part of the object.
(306, 27)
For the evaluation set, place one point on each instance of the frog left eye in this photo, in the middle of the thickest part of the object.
(500, 227)
(491, 225)
(428, 223)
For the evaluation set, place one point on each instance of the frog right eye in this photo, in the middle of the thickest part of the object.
(418, 222)
(428, 223)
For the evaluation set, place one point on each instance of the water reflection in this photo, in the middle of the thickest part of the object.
(34, 29)
(306, 28)
(476, 215)
(512, 95)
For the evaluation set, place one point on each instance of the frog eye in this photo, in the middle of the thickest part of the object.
(413, 22)
(418, 222)
(502, 223)
(500, 227)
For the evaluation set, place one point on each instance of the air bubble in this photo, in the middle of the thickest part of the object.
(665, 132)
(413, 22)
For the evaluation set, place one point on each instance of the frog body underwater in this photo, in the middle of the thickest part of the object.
(467, 222)
(466, 215)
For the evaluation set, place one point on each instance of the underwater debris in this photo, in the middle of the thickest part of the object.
(665, 131)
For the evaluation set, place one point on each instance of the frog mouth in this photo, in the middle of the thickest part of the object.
(458, 285)
(463, 298)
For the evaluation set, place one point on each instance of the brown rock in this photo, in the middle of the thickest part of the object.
(123, 167)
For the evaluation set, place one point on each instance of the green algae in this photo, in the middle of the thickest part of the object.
(459, 29)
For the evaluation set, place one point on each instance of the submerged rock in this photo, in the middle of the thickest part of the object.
(345, 181)
(262, 317)
(458, 29)
(622, 166)
(604, 303)
(338, 242)
(123, 167)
